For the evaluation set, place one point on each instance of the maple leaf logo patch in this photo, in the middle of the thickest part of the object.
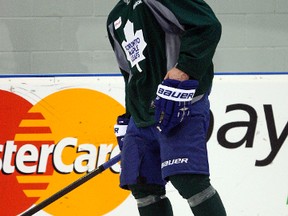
(134, 45)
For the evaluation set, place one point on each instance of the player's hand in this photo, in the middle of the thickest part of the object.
(173, 103)
(120, 129)
(176, 74)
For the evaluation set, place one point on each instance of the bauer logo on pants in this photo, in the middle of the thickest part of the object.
(47, 145)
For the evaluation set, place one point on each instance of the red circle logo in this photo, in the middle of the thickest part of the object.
(47, 145)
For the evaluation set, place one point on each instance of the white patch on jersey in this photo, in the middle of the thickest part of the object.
(137, 3)
(118, 23)
(134, 45)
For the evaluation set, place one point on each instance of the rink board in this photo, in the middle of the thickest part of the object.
(57, 128)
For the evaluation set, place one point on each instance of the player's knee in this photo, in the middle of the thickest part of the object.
(147, 194)
(195, 188)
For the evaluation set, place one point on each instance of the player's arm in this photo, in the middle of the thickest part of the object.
(122, 61)
(202, 32)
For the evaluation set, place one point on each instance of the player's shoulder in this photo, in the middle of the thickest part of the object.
(116, 11)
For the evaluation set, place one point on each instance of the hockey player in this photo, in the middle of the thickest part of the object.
(164, 49)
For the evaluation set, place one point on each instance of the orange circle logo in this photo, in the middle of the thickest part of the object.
(46, 146)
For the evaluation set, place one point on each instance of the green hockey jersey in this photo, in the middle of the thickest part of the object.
(149, 37)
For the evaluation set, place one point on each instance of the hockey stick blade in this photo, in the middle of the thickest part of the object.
(72, 186)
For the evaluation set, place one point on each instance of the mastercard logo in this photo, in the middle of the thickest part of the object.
(48, 145)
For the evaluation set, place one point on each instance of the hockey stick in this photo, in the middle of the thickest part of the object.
(72, 186)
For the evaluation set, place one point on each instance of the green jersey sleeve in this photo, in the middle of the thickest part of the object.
(202, 32)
